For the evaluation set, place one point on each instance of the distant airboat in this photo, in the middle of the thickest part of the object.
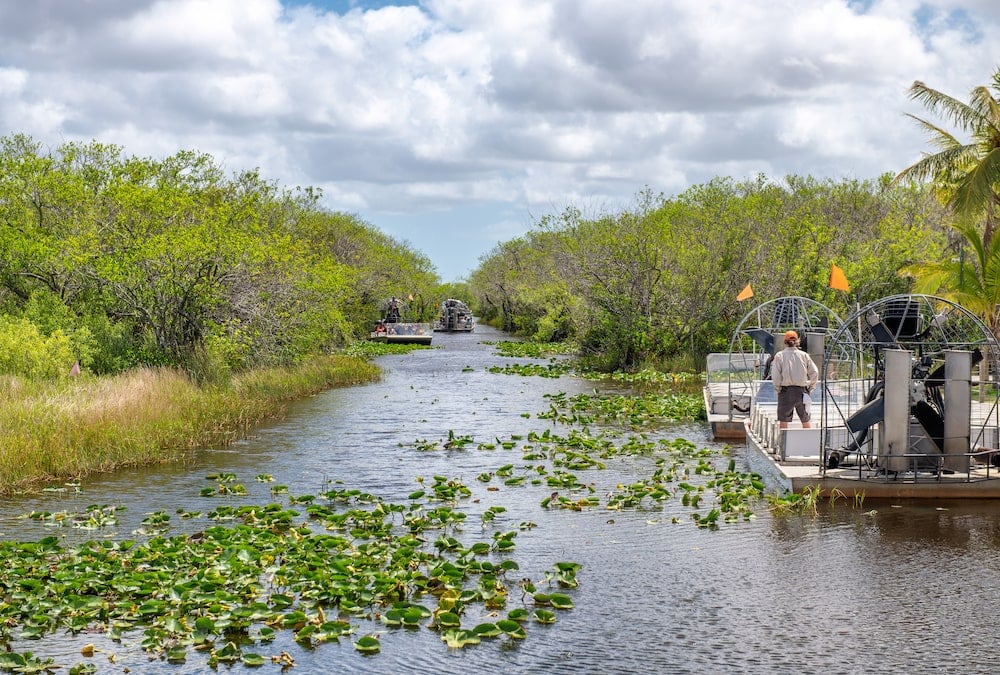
(389, 328)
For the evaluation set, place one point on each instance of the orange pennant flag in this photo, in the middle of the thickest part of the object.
(838, 280)
(745, 293)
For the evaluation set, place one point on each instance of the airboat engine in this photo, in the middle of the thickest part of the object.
(915, 434)
(901, 386)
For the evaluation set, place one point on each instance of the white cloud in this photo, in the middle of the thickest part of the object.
(12, 81)
(536, 104)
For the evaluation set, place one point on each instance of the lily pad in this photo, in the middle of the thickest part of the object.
(544, 616)
(367, 644)
(457, 638)
(487, 630)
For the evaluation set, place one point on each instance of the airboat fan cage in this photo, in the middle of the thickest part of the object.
(900, 381)
(759, 335)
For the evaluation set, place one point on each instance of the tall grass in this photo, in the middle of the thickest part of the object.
(68, 429)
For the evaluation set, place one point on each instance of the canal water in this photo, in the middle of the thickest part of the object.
(887, 587)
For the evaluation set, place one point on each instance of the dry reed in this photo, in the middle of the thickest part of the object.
(65, 430)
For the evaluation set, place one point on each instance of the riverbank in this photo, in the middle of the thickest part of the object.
(59, 431)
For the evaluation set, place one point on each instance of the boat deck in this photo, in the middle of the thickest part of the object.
(724, 419)
(403, 333)
(790, 460)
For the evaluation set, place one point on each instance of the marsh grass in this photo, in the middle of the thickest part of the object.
(67, 429)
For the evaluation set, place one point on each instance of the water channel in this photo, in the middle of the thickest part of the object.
(889, 587)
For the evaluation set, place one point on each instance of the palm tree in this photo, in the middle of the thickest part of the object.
(966, 176)
(974, 284)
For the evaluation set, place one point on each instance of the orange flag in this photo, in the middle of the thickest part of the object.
(745, 293)
(838, 280)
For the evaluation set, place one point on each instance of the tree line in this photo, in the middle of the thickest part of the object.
(115, 261)
(657, 283)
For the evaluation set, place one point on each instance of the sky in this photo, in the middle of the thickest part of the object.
(455, 125)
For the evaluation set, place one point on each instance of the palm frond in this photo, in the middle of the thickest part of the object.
(930, 278)
(979, 184)
(937, 166)
(974, 240)
(940, 137)
(987, 107)
(961, 114)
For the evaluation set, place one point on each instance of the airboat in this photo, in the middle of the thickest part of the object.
(389, 328)
(736, 379)
(454, 317)
(906, 408)
(402, 333)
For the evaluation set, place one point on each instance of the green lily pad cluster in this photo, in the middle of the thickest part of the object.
(532, 349)
(633, 412)
(224, 592)
(680, 469)
(94, 517)
(648, 376)
(553, 369)
(453, 442)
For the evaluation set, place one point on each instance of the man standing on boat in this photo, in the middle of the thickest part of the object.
(794, 376)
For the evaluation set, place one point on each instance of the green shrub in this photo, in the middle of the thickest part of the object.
(25, 351)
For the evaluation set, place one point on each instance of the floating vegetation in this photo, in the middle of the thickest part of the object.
(346, 566)
(530, 349)
(627, 411)
(455, 441)
(93, 517)
(728, 495)
(650, 377)
(554, 369)
(685, 404)
(226, 590)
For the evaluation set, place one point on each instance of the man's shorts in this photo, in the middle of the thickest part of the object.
(789, 401)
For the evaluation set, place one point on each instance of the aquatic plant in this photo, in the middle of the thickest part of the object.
(806, 501)
(639, 411)
(531, 349)
(554, 369)
(226, 589)
(648, 376)
(94, 517)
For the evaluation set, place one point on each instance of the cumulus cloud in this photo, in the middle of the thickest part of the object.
(428, 109)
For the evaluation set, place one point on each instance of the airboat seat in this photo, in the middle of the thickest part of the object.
(797, 442)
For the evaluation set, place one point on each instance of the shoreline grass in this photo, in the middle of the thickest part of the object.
(69, 429)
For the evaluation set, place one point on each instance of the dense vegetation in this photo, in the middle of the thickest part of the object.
(118, 261)
(657, 283)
